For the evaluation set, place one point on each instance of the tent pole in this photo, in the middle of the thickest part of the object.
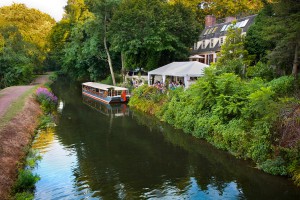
(149, 79)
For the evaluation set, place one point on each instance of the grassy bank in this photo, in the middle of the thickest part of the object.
(16, 107)
(25, 183)
(252, 119)
(17, 131)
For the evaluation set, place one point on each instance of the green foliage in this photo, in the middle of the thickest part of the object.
(45, 120)
(26, 181)
(283, 85)
(261, 70)
(236, 115)
(23, 35)
(109, 80)
(274, 37)
(274, 166)
(24, 196)
(152, 33)
(233, 56)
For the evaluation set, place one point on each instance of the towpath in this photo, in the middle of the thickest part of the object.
(10, 94)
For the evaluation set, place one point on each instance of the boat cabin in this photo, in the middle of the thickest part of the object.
(105, 93)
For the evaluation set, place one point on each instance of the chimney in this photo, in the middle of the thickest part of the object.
(229, 19)
(210, 20)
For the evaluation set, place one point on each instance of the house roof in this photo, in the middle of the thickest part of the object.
(219, 30)
(190, 68)
(102, 86)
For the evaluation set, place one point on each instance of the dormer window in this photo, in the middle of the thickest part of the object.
(211, 43)
(203, 44)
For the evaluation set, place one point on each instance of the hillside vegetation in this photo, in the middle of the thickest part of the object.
(23, 43)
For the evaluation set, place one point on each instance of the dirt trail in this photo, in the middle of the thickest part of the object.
(10, 94)
(17, 134)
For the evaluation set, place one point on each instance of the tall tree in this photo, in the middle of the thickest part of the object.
(276, 34)
(16, 63)
(233, 56)
(33, 25)
(150, 33)
(221, 8)
(104, 10)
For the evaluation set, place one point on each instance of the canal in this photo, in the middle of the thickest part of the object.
(98, 152)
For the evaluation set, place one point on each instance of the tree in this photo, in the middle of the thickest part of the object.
(151, 33)
(33, 25)
(221, 8)
(15, 60)
(276, 35)
(233, 56)
(23, 34)
(104, 10)
(255, 41)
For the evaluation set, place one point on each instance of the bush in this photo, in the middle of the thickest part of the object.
(261, 70)
(274, 166)
(236, 115)
(24, 196)
(283, 85)
(47, 99)
(26, 181)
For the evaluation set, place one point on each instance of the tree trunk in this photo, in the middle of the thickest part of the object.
(123, 66)
(295, 64)
(108, 55)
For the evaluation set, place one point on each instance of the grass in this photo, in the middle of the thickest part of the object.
(16, 107)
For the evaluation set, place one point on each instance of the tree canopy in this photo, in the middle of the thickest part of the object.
(152, 33)
(23, 39)
(275, 36)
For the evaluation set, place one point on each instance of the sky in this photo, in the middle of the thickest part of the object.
(55, 8)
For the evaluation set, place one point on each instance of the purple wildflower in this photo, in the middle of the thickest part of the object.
(44, 94)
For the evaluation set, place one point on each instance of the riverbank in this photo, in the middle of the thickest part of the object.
(17, 130)
(251, 119)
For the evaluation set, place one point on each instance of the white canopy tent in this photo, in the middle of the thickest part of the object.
(179, 69)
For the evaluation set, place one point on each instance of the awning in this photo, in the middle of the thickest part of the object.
(191, 68)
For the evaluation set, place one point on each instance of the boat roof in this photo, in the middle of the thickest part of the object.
(103, 86)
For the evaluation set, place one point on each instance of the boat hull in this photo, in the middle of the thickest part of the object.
(107, 99)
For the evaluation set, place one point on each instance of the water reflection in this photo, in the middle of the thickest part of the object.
(138, 157)
(114, 110)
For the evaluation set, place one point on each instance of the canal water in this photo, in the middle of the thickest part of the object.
(100, 152)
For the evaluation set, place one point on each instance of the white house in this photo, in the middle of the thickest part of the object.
(213, 36)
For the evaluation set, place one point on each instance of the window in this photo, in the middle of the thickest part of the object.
(206, 32)
(221, 41)
(209, 31)
(203, 44)
(215, 29)
(243, 23)
(211, 43)
(223, 28)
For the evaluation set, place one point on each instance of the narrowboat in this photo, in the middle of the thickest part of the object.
(105, 93)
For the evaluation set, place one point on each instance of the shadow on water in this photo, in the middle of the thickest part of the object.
(122, 154)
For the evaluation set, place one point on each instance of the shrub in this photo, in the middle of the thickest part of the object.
(283, 85)
(26, 181)
(262, 70)
(274, 166)
(47, 99)
(24, 196)
(236, 115)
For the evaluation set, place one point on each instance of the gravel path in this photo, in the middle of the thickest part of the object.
(10, 94)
